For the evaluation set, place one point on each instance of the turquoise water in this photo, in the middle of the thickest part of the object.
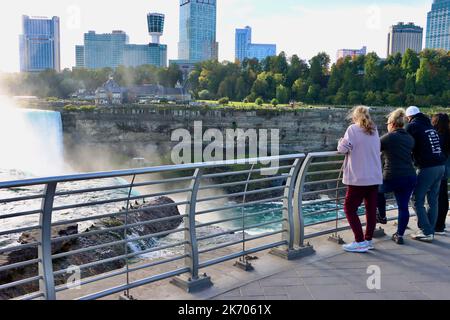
(309, 211)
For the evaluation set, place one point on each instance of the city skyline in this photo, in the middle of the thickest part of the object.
(358, 22)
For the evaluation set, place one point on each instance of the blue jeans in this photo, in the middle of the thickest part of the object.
(402, 188)
(428, 185)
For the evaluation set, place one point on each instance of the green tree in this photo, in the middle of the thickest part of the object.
(282, 94)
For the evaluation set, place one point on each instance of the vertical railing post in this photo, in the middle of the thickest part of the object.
(288, 206)
(290, 214)
(46, 282)
(194, 282)
(299, 219)
(191, 247)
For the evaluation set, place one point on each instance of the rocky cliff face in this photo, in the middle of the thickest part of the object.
(140, 128)
(147, 214)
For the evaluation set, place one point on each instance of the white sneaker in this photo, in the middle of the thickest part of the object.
(359, 247)
(420, 236)
(441, 233)
(370, 245)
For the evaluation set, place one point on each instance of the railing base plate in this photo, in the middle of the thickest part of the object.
(336, 239)
(192, 285)
(379, 233)
(244, 265)
(293, 254)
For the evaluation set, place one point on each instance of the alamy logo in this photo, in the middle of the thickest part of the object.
(374, 280)
(74, 280)
(215, 145)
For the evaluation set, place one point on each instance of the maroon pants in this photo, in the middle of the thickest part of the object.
(353, 200)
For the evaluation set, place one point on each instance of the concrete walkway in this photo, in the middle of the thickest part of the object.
(415, 271)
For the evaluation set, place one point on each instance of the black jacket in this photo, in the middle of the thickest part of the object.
(427, 152)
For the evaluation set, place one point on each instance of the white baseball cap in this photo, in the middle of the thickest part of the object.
(412, 111)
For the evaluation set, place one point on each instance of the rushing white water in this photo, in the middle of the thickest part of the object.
(31, 141)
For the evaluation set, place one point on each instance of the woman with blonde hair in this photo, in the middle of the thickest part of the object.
(362, 175)
(399, 174)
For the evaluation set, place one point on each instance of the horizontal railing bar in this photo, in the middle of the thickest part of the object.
(124, 199)
(110, 215)
(240, 205)
(135, 284)
(18, 265)
(21, 247)
(230, 244)
(323, 191)
(240, 254)
(315, 173)
(19, 230)
(232, 184)
(237, 173)
(100, 277)
(109, 244)
(157, 263)
(31, 296)
(123, 186)
(132, 172)
(232, 195)
(316, 164)
(322, 181)
(19, 283)
(237, 218)
(126, 256)
(321, 212)
(24, 198)
(19, 214)
(106, 230)
(322, 201)
(233, 231)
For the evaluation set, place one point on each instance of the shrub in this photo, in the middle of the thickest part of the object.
(224, 100)
(204, 95)
(274, 102)
(88, 108)
(70, 108)
(259, 101)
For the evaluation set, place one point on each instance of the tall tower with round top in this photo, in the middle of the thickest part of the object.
(155, 26)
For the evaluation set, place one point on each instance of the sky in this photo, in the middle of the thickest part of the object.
(303, 27)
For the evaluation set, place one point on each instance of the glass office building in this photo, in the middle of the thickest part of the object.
(198, 19)
(112, 50)
(244, 48)
(40, 44)
(438, 25)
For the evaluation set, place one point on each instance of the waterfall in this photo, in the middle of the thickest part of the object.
(31, 141)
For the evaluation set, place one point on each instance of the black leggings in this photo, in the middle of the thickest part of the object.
(443, 206)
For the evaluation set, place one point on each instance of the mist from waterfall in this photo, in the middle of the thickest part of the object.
(31, 141)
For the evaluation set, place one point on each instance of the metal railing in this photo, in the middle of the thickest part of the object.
(232, 209)
(226, 208)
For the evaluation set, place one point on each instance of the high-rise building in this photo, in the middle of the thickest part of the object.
(113, 49)
(403, 36)
(40, 44)
(244, 48)
(79, 56)
(198, 21)
(343, 53)
(438, 25)
(155, 23)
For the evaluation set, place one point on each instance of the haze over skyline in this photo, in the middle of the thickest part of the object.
(303, 27)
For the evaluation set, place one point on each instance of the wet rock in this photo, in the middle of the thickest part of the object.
(150, 211)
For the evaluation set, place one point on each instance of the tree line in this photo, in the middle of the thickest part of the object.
(421, 79)
(61, 85)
